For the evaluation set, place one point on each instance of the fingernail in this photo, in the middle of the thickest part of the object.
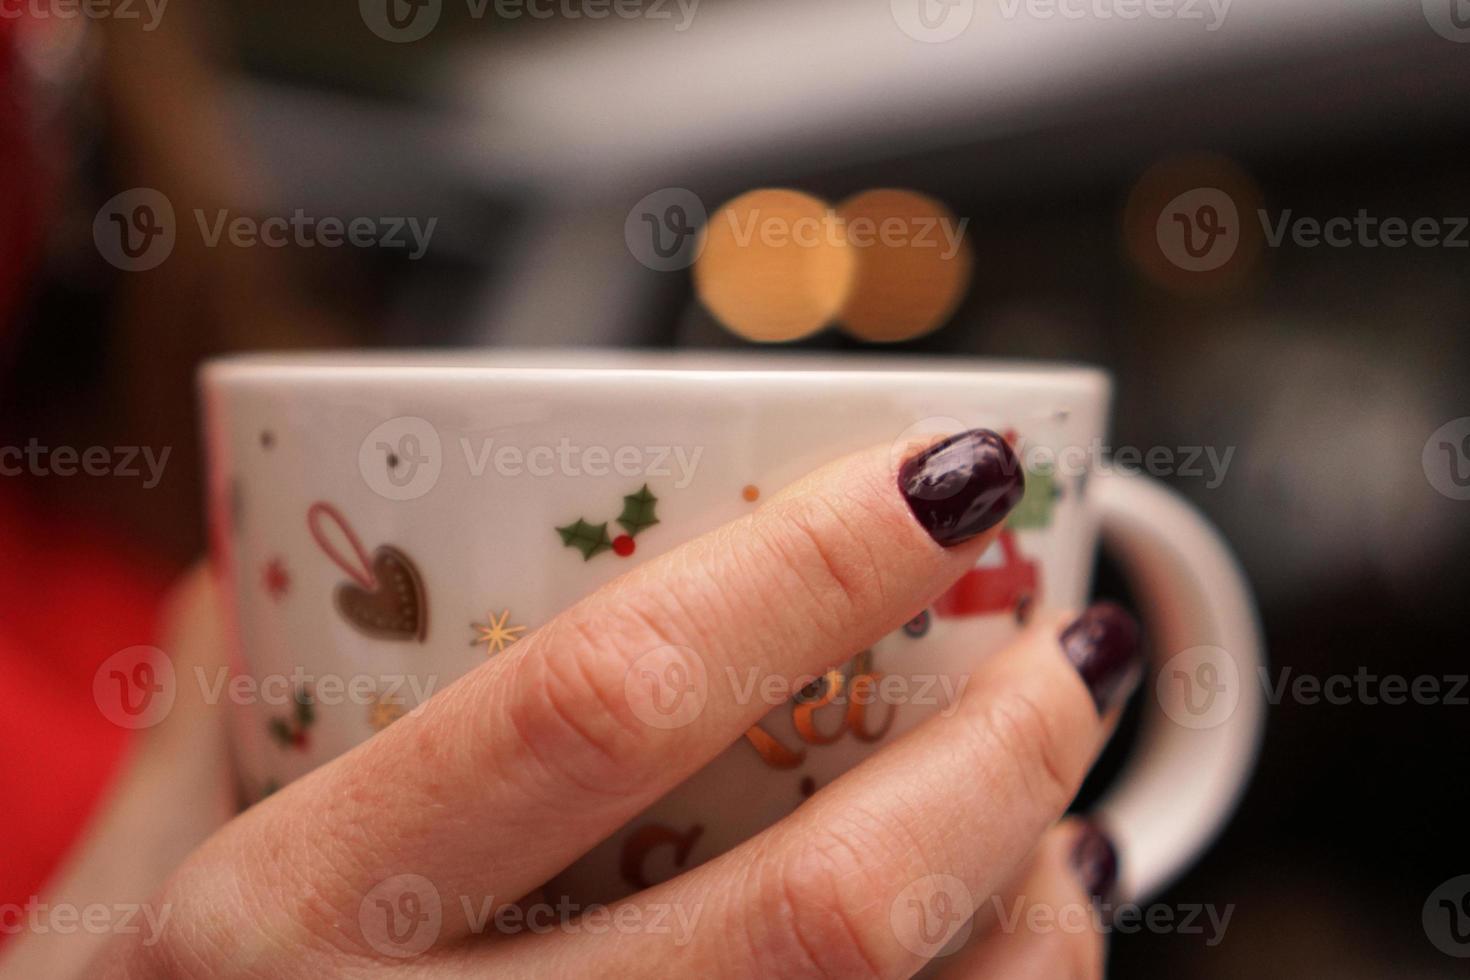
(962, 486)
(1103, 645)
(1095, 861)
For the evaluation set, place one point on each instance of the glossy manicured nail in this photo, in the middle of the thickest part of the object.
(962, 486)
(1095, 861)
(1103, 645)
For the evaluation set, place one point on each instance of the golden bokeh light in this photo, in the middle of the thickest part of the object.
(914, 264)
(1189, 225)
(774, 265)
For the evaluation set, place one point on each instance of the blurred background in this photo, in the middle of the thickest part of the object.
(1199, 196)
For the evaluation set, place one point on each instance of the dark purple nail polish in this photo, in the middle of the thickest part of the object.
(962, 486)
(1103, 645)
(1095, 860)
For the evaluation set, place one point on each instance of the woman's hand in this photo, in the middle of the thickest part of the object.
(474, 800)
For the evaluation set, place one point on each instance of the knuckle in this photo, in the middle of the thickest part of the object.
(571, 718)
(824, 563)
(1020, 729)
(814, 914)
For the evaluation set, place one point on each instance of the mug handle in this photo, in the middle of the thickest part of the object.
(1191, 763)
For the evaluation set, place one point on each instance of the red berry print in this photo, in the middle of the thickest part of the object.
(640, 512)
(277, 579)
(291, 730)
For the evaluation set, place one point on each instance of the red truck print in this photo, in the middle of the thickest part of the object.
(1003, 580)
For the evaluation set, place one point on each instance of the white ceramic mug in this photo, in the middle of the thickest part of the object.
(386, 522)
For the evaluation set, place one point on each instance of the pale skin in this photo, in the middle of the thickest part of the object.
(506, 777)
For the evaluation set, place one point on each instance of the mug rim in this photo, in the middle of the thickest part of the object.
(705, 366)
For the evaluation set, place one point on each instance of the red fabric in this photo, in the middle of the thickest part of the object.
(70, 596)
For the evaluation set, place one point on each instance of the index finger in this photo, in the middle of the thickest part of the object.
(508, 776)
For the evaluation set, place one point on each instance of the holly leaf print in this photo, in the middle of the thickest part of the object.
(638, 511)
(280, 731)
(589, 539)
(305, 709)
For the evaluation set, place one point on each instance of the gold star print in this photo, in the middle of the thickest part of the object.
(384, 712)
(496, 635)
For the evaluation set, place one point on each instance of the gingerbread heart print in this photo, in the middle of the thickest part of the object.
(391, 605)
(385, 598)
